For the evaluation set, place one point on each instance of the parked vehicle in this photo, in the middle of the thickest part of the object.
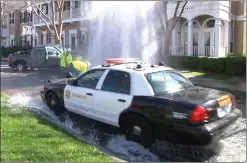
(147, 102)
(42, 56)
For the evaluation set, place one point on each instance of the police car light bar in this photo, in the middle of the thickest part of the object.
(122, 60)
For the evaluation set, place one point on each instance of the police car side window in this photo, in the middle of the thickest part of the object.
(117, 81)
(90, 79)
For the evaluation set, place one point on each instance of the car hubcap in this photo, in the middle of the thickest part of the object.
(137, 130)
(53, 103)
(20, 67)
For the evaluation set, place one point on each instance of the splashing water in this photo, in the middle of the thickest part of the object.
(122, 29)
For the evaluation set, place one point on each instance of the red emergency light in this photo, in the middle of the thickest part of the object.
(121, 60)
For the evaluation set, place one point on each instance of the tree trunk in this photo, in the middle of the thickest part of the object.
(58, 40)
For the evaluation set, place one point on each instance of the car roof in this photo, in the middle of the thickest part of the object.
(132, 67)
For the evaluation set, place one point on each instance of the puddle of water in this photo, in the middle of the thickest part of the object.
(232, 148)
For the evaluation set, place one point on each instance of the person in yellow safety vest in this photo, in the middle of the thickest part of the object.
(77, 67)
(65, 61)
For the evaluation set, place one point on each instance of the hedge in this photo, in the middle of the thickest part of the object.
(229, 65)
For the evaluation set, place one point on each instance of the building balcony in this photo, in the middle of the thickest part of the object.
(71, 15)
(206, 51)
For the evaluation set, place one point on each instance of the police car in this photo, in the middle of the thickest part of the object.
(147, 102)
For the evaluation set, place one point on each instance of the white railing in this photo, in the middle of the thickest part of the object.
(183, 50)
(209, 51)
(195, 51)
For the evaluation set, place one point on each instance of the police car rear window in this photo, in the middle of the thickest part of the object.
(167, 81)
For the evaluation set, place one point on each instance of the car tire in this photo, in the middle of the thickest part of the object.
(21, 66)
(138, 129)
(53, 103)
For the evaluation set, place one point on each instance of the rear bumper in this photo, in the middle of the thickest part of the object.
(199, 135)
(11, 65)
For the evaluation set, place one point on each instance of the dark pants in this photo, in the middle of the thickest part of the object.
(64, 71)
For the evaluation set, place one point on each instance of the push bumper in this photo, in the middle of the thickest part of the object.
(199, 135)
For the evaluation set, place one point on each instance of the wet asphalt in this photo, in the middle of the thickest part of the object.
(232, 148)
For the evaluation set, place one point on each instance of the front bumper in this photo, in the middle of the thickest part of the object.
(199, 135)
(42, 94)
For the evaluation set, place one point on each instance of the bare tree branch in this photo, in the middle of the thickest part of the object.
(180, 14)
(41, 13)
(175, 13)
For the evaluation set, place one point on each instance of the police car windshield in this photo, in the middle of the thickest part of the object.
(167, 81)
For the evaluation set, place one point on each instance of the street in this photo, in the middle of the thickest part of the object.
(29, 82)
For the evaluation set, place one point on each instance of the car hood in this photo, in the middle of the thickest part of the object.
(194, 94)
(59, 81)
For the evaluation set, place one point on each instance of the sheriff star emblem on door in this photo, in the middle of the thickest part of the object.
(67, 94)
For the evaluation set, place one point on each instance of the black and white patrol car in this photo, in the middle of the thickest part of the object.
(147, 102)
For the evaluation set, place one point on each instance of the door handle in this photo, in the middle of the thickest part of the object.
(121, 100)
(89, 94)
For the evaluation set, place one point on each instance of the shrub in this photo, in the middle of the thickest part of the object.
(229, 65)
(235, 66)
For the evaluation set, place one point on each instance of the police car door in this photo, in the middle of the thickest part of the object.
(113, 96)
(79, 97)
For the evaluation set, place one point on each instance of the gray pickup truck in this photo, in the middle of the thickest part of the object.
(41, 56)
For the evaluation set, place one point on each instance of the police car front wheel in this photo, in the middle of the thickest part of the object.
(53, 103)
(137, 128)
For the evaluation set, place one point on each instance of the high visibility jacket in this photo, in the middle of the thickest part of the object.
(80, 66)
(65, 59)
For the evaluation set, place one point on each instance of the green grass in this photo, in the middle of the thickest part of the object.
(26, 137)
(217, 76)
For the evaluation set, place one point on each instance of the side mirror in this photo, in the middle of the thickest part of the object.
(69, 75)
(57, 54)
(72, 82)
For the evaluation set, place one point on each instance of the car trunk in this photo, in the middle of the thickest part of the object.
(217, 103)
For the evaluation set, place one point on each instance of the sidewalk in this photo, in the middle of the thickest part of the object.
(231, 84)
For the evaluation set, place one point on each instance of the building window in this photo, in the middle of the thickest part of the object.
(22, 16)
(210, 24)
(35, 42)
(45, 8)
(76, 4)
(232, 37)
(48, 37)
(11, 18)
(12, 42)
(41, 39)
(66, 5)
(38, 10)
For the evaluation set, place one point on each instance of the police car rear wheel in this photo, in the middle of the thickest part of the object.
(53, 103)
(136, 128)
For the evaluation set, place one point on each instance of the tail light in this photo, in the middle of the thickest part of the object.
(9, 59)
(199, 114)
(135, 105)
(234, 102)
